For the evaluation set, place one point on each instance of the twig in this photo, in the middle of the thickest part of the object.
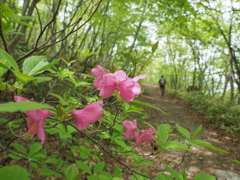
(30, 160)
(112, 156)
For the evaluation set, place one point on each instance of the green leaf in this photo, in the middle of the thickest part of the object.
(13, 156)
(175, 145)
(83, 150)
(200, 142)
(20, 148)
(52, 161)
(23, 77)
(11, 88)
(163, 176)
(32, 64)
(10, 62)
(149, 105)
(175, 174)
(162, 133)
(184, 132)
(117, 178)
(42, 79)
(47, 172)
(13, 173)
(34, 148)
(98, 168)
(202, 176)
(24, 23)
(213, 148)
(47, 66)
(184, 175)
(23, 106)
(117, 172)
(84, 167)
(236, 161)
(154, 47)
(71, 172)
(3, 86)
(196, 132)
(91, 178)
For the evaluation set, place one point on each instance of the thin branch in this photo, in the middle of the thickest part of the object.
(30, 160)
(2, 36)
(112, 156)
(74, 29)
(45, 27)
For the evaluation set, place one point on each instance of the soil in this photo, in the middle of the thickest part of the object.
(200, 160)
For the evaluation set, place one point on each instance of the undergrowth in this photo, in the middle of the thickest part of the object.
(224, 114)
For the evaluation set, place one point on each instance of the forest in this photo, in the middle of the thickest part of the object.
(72, 75)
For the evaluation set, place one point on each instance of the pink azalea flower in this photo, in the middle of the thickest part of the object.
(35, 120)
(131, 128)
(125, 87)
(90, 114)
(98, 71)
(145, 136)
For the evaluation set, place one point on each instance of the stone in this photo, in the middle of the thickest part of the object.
(226, 175)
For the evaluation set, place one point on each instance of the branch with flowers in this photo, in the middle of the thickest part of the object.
(98, 128)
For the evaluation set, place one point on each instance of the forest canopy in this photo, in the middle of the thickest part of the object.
(198, 40)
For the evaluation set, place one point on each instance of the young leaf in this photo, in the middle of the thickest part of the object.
(162, 132)
(98, 168)
(10, 62)
(236, 161)
(149, 105)
(202, 176)
(84, 167)
(196, 132)
(47, 66)
(20, 148)
(175, 145)
(13, 156)
(34, 148)
(23, 77)
(71, 172)
(184, 132)
(13, 173)
(163, 176)
(214, 148)
(23, 106)
(175, 174)
(32, 64)
(117, 172)
(154, 47)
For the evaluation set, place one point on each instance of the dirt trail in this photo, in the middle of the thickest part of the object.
(201, 160)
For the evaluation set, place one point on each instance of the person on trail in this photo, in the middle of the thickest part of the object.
(162, 82)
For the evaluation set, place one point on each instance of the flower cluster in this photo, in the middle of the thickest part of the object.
(144, 135)
(125, 87)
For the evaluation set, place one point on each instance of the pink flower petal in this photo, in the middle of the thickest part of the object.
(120, 75)
(145, 136)
(35, 120)
(19, 98)
(90, 114)
(38, 114)
(136, 78)
(124, 88)
(131, 128)
(98, 71)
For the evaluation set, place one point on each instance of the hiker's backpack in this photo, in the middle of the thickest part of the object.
(162, 81)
